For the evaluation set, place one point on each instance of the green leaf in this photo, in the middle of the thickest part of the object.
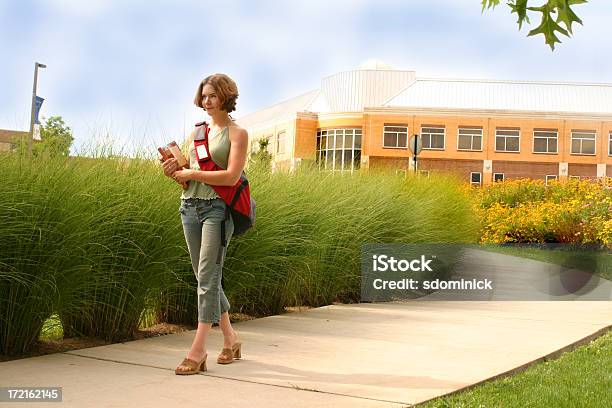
(486, 4)
(566, 15)
(548, 27)
(554, 13)
(520, 8)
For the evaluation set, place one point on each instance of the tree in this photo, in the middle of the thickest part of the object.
(262, 159)
(56, 139)
(555, 13)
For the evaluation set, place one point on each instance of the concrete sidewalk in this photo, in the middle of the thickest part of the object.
(361, 355)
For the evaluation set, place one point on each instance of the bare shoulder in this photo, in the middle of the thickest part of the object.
(237, 132)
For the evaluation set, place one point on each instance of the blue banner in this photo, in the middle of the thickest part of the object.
(39, 102)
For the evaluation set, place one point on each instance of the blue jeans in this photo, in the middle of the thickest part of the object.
(202, 227)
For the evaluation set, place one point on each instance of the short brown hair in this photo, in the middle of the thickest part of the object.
(226, 90)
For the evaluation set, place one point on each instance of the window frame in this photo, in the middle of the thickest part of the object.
(506, 136)
(552, 177)
(579, 131)
(503, 177)
(479, 183)
(329, 164)
(397, 135)
(472, 138)
(556, 131)
(437, 134)
(278, 142)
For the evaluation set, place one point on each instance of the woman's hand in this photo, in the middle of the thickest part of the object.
(170, 166)
(183, 176)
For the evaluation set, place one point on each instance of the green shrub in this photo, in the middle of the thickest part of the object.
(99, 242)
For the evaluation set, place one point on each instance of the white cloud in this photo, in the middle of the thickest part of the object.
(130, 68)
(80, 8)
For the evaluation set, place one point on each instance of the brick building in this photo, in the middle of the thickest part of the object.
(8, 137)
(482, 130)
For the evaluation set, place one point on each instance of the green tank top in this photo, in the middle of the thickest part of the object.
(219, 147)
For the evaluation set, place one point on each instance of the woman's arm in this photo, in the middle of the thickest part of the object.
(235, 163)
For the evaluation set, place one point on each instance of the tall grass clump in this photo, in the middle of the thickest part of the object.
(311, 225)
(28, 239)
(98, 242)
(129, 246)
(92, 239)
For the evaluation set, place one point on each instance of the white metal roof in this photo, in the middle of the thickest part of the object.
(351, 91)
(278, 111)
(348, 91)
(506, 95)
(375, 84)
(319, 104)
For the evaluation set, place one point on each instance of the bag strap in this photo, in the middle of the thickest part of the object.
(206, 132)
(227, 213)
(241, 187)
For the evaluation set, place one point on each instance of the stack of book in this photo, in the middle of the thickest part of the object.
(172, 151)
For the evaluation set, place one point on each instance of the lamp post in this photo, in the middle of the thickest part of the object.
(33, 111)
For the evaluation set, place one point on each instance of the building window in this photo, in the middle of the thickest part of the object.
(507, 140)
(475, 178)
(610, 144)
(469, 138)
(545, 140)
(424, 173)
(498, 176)
(432, 137)
(583, 142)
(281, 140)
(395, 136)
(575, 177)
(550, 177)
(339, 149)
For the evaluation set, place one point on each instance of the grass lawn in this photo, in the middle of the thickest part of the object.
(580, 378)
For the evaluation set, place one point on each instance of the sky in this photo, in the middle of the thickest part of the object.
(125, 72)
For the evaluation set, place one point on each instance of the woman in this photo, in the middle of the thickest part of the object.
(202, 212)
